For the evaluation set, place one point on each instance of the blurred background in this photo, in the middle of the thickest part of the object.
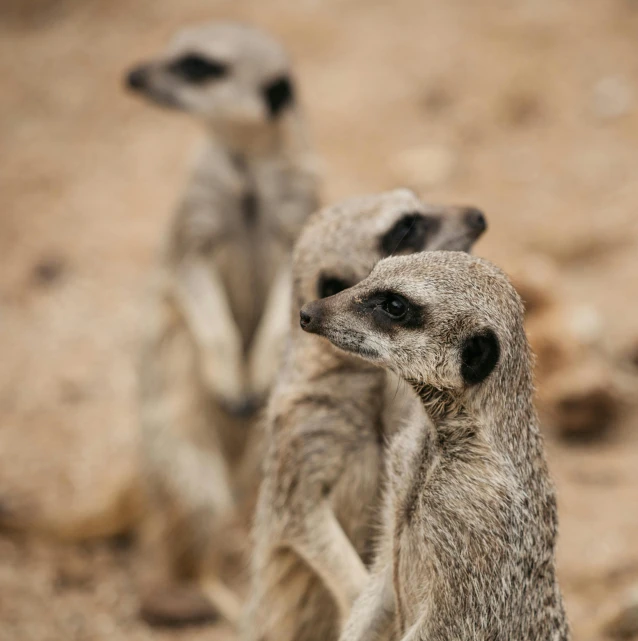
(525, 108)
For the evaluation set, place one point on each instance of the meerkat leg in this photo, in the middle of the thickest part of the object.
(268, 344)
(329, 552)
(373, 614)
(207, 310)
(194, 511)
(223, 599)
(167, 596)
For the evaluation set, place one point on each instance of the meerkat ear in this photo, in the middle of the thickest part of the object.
(410, 233)
(278, 94)
(479, 356)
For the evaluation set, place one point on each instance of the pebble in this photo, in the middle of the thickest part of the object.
(613, 97)
(623, 624)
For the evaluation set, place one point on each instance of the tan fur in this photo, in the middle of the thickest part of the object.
(220, 304)
(469, 525)
(326, 425)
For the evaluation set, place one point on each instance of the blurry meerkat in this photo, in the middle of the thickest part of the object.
(223, 290)
(325, 423)
(470, 519)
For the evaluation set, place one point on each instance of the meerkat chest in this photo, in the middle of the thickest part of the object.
(400, 403)
(280, 208)
(412, 460)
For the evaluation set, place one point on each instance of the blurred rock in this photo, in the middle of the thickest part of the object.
(32, 14)
(582, 402)
(48, 271)
(623, 624)
(116, 508)
(585, 323)
(569, 246)
(632, 355)
(578, 394)
(437, 99)
(176, 606)
(74, 572)
(424, 166)
(612, 98)
(522, 109)
(535, 278)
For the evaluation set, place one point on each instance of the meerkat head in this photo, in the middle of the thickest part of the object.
(340, 245)
(441, 319)
(227, 74)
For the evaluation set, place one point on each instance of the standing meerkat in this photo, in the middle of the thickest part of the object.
(325, 423)
(468, 549)
(222, 295)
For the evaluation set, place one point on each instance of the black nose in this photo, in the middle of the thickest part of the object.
(305, 319)
(310, 317)
(475, 220)
(136, 78)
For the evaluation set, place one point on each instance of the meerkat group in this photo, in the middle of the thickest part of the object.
(404, 492)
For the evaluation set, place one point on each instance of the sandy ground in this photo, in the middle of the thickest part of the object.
(526, 108)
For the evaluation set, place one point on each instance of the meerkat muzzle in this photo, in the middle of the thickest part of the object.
(135, 79)
(475, 220)
(310, 317)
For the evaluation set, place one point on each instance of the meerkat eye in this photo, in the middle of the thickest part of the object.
(197, 69)
(395, 307)
(329, 286)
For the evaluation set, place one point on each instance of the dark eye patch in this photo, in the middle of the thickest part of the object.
(330, 285)
(409, 234)
(278, 94)
(389, 317)
(198, 69)
(479, 356)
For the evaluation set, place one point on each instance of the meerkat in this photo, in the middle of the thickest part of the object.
(325, 423)
(221, 302)
(470, 519)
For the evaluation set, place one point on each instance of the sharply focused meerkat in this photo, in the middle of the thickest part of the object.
(325, 423)
(470, 521)
(223, 290)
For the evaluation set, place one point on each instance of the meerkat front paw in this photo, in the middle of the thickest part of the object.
(263, 364)
(225, 376)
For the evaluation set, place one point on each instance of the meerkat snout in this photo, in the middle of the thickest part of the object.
(135, 79)
(475, 220)
(310, 317)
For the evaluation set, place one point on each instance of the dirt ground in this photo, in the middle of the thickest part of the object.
(526, 108)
